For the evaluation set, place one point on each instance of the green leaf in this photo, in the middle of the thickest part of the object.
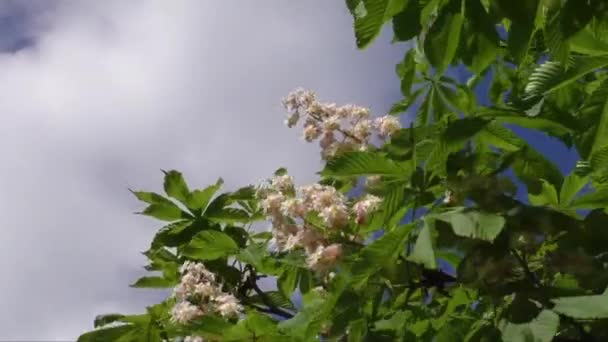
(175, 186)
(463, 129)
(210, 245)
(368, 27)
(102, 320)
(406, 24)
(504, 116)
(573, 183)
(595, 112)
(424, 116)
(164, 212)
(151, 198)
(106, 334)
(209, 324)
(255, 327)
(199, 199)
(551, 75)
(473, 224)
(406, 70)
(547, 195)
(385, 249)
(522, 13)
(288, 281)
(154, 283)
(587, 43)
(228, 215)
(276, 298)
(357, 330)
(392, 202)
(583, 307)
(479, 38)
(597, 199)
(530, 166)
(442, 40)
(424, 250)
(542, 329)
(353, 164)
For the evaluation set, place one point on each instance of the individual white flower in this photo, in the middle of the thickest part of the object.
(205, 289)
(316, 109)
(292, 242)
(313, 258)
(324, 258)
(311, 132)
(359, 112)
(335, 216)
(365, 206)
(228, 305)
(293, 207)
(283, 183)
(272, 203)
(387, 125)
(332, 123)
(362, 130)
(299, 99)
(327, 139)
(185, 312)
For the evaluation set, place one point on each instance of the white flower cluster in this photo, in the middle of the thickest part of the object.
(288, 208)
(199, 294)
(338, 128)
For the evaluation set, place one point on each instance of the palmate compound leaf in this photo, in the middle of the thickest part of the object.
(583, 307)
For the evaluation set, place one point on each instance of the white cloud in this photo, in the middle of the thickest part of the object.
(112, 92)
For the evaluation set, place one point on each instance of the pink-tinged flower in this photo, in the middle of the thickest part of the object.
(205, 289)
(294, 207)
(327, 139)
(185, 312)
(335, 216)
(332, 123)
(272, 203)
(364, 207)
(311, 132)
(387, 125)
(363, 129)
(283, 183)
(323, 258)
(228, 305)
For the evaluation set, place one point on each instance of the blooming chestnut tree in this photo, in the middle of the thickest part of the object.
(451, 228)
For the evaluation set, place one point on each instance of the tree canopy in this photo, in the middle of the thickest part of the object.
(415, 233)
